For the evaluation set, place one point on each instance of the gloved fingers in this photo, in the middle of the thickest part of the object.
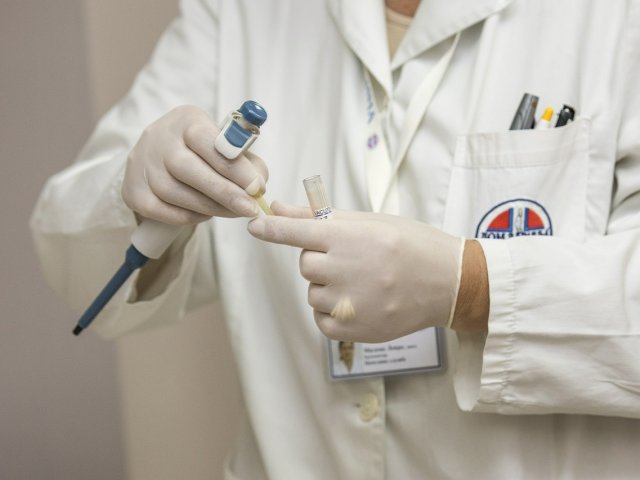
(325, 299)
(171, 190)
(200, 137)
(293, 211)
(297, 232)
(320, 298)
(189, 199)
(228, 199)
(259, 165)
(296, 211)
(330, 327)
(353, 215)
(150, 206)
(137, 195)
(314, 268)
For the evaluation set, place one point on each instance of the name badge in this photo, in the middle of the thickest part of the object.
(414, 353)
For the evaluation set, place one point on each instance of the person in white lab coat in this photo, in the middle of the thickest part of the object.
(543, 377)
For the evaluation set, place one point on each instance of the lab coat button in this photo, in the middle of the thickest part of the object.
(369, 407)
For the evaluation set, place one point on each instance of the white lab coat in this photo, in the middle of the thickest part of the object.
(546, 394)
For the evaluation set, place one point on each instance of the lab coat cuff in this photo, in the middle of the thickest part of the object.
(484, 361)
(74, 203)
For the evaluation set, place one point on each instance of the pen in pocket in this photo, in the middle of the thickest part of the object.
(524, 118)
(545, 120)
(565, 115)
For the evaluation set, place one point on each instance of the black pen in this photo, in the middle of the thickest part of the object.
(565, 115)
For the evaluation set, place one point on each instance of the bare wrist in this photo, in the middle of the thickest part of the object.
(472, 305)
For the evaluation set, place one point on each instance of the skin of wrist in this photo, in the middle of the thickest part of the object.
(472, 305)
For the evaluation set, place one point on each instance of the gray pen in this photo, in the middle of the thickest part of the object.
(524, 118)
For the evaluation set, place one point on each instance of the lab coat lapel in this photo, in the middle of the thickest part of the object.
(437, 20)
(362, 24)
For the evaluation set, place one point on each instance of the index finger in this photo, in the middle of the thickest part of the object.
(305, 233)
(200, 137)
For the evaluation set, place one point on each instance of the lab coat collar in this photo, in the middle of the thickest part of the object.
(436, 20)
(362, 23)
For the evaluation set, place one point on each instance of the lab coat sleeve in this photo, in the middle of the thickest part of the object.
(564, 322)
(81, 225)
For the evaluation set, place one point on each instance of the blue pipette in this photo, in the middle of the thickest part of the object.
(152, 238)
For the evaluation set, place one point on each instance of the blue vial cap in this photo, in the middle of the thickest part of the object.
(253, 112)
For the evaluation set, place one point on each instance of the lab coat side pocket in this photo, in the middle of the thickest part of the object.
(520, 183)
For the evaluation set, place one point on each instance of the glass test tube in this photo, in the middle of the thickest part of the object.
(318, 199)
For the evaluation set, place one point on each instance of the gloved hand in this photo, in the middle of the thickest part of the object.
(373, 277)
(174, 174)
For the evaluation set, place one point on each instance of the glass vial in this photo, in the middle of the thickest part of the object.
(318, 199)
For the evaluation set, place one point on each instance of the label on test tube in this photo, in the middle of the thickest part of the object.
(318, 199)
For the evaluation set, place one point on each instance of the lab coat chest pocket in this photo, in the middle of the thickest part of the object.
(524, 182)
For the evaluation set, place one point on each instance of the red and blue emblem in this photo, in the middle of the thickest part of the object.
(515, 218)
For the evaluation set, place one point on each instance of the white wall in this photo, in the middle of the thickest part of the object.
(154, 406)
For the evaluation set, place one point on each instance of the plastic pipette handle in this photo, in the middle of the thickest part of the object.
(152, 237)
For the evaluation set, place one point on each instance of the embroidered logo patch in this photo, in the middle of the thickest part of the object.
(515, 218)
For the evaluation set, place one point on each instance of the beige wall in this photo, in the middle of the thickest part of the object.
(154, 406)
(121, 35)
(59, 403)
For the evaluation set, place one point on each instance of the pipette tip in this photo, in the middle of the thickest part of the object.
(262, 203)
(77, 330)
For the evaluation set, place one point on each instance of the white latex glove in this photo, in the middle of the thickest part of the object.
(174, 174)
(399, 275)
